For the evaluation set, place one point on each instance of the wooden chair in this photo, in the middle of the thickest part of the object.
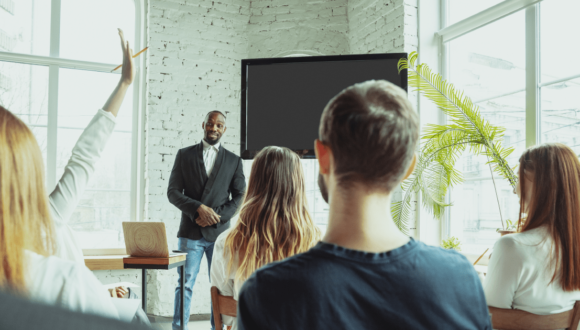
(512, 319)
(226, 305)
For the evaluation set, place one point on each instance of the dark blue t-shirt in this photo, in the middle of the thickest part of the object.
(415, 286)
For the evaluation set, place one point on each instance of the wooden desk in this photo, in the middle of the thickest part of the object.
(126, 262)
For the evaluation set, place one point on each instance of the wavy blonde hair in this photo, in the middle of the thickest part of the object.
(25, 222)
(274, 222)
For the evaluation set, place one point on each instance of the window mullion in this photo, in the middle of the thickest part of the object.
(53, 74)
(532, 76)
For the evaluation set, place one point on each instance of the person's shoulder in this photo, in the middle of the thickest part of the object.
(189, 148)
(220, 241)
(298, 268)
(438, 255)
(516, 245)
(229, 154)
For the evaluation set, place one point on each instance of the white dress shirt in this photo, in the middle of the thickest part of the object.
(220, 278)
(209, 155)
(63, 280)
(519, 275)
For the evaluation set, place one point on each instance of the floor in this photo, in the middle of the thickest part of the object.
(193, 325)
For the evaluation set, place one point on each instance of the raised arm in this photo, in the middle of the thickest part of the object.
(237, 189)
(81, 166)
(127, 75)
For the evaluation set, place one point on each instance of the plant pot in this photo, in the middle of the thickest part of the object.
(506, 232)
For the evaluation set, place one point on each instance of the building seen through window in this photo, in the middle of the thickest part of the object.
(489, 65)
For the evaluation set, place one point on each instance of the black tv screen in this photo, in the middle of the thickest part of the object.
(283, 98)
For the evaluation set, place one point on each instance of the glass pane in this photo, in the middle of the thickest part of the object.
(475, 214)
(97, 220)
(559, 51)
(462, 9)
(489, 66)
(24, 91)
(107, 201)
(490, 62)
(316, 205)
(88, 29)
(25, 26)
(560, 114)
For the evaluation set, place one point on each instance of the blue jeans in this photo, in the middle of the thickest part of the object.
(195, 250)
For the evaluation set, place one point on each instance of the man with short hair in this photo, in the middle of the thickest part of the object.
(365, 274)
(203, 177)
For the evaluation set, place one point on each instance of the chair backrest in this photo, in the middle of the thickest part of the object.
(511, 319)
(226, 305)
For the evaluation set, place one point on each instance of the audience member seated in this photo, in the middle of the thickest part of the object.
(30, 240)
(274, 223)
(365, 274)
(538, 269)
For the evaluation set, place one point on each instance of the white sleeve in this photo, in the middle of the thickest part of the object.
(219, 268)
(503, 274)
(84, 293)
(72, 184)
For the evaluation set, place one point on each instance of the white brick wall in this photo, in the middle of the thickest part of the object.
(279, 28)
(194, 67)
(382, 26)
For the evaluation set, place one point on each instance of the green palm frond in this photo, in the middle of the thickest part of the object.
(442, 145)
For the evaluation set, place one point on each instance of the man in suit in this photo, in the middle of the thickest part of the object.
(203, 177)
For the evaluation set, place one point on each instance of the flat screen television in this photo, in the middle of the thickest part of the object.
(283, 98)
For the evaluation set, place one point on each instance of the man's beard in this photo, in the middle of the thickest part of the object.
(211, 142)
(322, 187)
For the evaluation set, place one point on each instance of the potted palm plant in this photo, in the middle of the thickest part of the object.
(442, 145)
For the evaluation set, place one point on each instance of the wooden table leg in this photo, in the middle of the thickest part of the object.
(144, 289)
(182, 284)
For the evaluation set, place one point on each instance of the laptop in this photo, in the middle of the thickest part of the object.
(145, 239)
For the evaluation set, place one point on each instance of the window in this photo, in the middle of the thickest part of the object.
(56, 58)
(495, 58)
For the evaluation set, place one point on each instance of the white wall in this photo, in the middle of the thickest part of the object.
(279, 28)
(194, 66)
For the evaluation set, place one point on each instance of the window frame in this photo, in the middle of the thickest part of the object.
(54, 63)
(533, 84)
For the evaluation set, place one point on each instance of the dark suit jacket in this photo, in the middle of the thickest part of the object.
(190, 187)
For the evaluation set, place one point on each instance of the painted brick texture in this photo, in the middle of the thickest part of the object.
(280, 28)
(193, 66)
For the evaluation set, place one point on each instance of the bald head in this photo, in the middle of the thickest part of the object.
(214, 112)
(214, 126)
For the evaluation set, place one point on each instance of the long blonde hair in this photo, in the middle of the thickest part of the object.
(25, 222)
(274, 222)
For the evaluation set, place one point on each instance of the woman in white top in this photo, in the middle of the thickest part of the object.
(29, 237)
(274, 223)
(538, 269)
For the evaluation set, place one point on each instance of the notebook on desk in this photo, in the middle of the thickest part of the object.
(146, 239)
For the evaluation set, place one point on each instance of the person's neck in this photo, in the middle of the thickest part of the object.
(361, 220)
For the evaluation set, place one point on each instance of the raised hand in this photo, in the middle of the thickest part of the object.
(128, 69)
(114, 102)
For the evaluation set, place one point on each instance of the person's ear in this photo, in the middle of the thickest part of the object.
(323, 155)
(411, 168)
(203, 125)
(225, 128)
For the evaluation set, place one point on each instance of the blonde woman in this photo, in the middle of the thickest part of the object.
(274, 223)
(33, 229)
